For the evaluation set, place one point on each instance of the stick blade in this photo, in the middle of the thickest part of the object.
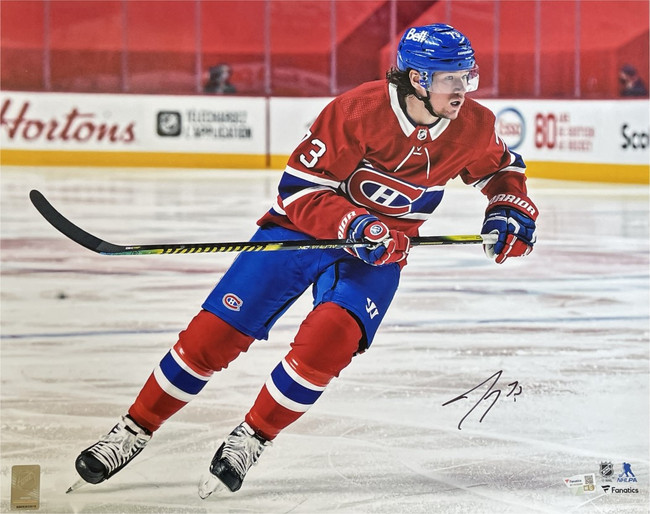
(67, 228)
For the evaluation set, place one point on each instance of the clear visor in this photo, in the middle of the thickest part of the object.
(448, 82)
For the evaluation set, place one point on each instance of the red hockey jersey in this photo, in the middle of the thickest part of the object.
(364, 154)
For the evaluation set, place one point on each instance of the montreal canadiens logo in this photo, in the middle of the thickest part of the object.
(382, 193)
(232, 301)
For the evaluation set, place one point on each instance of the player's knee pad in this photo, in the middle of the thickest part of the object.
(209, 344)
(325, 343)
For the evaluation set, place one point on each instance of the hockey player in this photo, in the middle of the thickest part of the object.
(372, 167)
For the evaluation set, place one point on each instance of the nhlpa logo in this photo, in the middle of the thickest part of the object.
(371, 308)
(232, 301)
(627, 475)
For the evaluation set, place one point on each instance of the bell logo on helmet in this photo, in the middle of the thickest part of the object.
(415, 35)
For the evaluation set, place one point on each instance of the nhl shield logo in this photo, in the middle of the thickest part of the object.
(422, 134)
(606, 469)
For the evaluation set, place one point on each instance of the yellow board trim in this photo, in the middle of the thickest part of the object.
(590, 172)
(587, 172)
(129, 159)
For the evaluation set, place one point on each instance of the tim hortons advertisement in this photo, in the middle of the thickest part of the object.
(43, 121)
(146, 123)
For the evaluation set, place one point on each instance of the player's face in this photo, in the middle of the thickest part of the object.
(447, 91)
(453, 81)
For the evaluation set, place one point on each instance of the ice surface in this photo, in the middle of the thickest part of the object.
(569, 324)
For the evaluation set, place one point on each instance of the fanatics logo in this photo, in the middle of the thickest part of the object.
(581, 484)
(232, 301)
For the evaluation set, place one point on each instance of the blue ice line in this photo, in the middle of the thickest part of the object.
(400, 324)
(519, 321)
(91, 333)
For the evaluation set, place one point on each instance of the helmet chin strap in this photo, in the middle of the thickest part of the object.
(426, 100)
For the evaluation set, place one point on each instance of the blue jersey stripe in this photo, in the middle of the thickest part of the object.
(428, 202)
(180, 378)
(290, 185)
(292, 389)
(518, 160)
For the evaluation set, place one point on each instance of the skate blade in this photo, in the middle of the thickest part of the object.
(209, 485)
(78, 484)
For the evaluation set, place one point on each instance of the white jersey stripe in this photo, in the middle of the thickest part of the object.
(307, 191)
(312, 178)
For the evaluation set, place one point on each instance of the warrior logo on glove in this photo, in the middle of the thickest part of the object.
(512, 218)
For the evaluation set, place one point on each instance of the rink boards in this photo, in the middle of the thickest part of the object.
(592, 140)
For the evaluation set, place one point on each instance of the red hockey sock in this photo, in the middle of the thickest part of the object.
(324, 345)
(208, 344)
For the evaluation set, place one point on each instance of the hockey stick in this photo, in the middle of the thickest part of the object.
(97, 245)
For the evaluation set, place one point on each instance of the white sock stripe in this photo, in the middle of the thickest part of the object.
(283, 400)
(170, 388)
(184, 366)
(297, 378)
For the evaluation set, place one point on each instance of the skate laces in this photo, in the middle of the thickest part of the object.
(243, 448)
(122, 443)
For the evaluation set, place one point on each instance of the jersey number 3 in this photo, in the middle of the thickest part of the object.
(315, 153)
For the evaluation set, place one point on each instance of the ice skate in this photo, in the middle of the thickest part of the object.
(241, 449)
(111, 453)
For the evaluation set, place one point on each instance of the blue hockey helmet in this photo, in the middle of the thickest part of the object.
(437, 47)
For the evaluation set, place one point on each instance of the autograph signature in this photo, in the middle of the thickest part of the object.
(515, 390)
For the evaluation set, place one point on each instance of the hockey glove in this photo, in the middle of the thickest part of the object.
(515, 230)
(391, 245)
